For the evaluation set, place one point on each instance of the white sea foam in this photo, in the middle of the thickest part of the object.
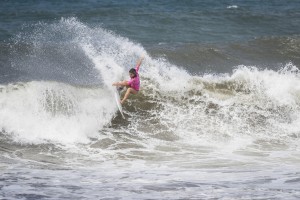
(248, 105)
(46, 111)
(232, 7)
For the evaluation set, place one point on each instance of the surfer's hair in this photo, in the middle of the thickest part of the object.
(133, 71)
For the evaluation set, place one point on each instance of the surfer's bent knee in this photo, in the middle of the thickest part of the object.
(132, 91)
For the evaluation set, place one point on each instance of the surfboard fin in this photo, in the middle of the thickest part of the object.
(120, 88)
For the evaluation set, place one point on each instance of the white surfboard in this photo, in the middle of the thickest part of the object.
(117, 97)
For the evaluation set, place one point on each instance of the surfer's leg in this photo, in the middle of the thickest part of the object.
(129, 90)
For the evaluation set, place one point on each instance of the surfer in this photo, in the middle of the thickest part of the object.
(133, 85)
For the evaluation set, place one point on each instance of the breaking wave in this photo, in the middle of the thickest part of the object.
(63, 98)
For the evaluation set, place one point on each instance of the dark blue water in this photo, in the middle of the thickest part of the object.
(168, 21)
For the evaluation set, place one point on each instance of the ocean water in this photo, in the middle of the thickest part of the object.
(217, 116)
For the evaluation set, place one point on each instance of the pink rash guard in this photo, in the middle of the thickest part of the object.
(135, 82)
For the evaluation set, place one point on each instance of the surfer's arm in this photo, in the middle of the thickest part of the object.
(121, 83)
(138, 64)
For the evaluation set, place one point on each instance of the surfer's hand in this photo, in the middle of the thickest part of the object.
(139, 62)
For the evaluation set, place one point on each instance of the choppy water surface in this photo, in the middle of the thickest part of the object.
(215, 119)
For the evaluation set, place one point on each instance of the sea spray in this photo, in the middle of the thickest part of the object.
(70, 69)
(246, 105)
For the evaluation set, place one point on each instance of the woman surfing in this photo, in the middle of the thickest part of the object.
(133, 85)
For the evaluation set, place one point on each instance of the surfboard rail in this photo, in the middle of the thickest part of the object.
(117, 98)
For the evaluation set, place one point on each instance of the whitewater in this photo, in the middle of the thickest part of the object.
(186, 135)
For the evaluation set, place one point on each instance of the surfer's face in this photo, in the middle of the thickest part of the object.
(131, 75)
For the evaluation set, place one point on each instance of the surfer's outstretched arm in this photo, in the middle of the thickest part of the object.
(121, 83)
(138, 64)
